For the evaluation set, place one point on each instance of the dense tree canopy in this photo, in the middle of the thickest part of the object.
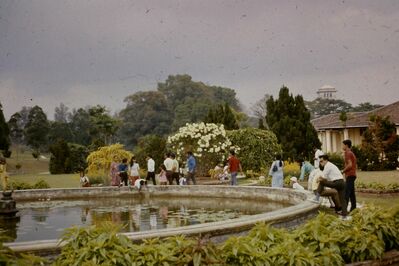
(145, 113)
(380, 147)
(37, 129)
(289, 119)
(222, 114)
(321, 106)
(16, 129)
(177, 101)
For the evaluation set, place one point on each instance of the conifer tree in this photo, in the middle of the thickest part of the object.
(36, 130)
(222, 114)
(289, 119)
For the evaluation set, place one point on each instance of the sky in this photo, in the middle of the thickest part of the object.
(83, 53)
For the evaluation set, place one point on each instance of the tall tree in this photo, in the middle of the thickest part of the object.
(380, 147)
(222, 114)
(146, 113)
(61, 113)
(59, 130)
(259, 109)
(4, 134)
(289, 119)
(36, 130)
(60, 162)
(80, 124)
(16, 132)
(103, 126)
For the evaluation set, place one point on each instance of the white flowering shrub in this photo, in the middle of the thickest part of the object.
(208, 142)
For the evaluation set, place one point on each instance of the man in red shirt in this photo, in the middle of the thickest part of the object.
(234, 166)
(350, 173)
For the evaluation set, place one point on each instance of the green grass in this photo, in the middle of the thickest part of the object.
(55, 181)
(384, 201)
(383, 177)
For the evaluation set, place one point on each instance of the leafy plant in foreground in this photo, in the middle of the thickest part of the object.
(95, 245)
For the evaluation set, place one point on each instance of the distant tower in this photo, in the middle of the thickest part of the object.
(326, 92)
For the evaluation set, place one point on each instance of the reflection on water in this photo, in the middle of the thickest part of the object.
(47, 219)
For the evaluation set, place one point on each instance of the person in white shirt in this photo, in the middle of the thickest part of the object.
(332, 178)
(168, 162)
(151, 169)
(140, 183)
(317, 155)
(134, 170)
(295, 184)
(175, 168)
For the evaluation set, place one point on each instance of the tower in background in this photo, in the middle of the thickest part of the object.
(326, 92)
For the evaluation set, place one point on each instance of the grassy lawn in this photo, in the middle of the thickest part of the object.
(55, 181)
(383, 177)
(384, 201)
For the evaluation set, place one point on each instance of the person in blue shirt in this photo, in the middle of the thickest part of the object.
(306, 170)
(122, 171)
(191, 164)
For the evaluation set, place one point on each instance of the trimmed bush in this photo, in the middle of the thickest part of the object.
(257, 147)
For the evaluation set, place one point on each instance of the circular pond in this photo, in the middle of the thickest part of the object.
(47, 219)
(215, 211)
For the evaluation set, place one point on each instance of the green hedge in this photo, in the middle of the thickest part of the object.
(324, 240)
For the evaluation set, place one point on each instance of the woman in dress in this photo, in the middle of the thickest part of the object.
(134, 169)
(162, 176)
(276, 171)
(113, 172)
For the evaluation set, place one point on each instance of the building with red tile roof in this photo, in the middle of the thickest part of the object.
(332, 131)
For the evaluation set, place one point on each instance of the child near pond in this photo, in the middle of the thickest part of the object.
(162, 176)
(84, 180)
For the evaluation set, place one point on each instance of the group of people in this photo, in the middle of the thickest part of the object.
(326, 179)
(230, 168)
(128, 174)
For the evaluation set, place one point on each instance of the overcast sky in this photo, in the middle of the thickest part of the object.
(98, 52)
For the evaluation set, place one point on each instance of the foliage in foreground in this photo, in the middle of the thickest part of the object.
(9, 258)
(41, 184)
(324, 240)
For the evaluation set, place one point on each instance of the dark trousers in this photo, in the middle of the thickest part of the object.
(191, 176)
(350, 191)
(124, 178)
(169, 177)
(151, 175)
(338, 185)
(175, 176)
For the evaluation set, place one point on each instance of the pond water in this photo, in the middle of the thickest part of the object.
(42, 220)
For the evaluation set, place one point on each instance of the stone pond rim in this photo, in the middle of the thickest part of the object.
(300, 209)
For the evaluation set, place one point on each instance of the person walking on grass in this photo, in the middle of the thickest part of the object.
(350, 173)
(113, 172)
(191, 165)
(234, 166)
(175, 169)
(276, 171)
(168, 162)
(151, 169)
(134, 170)
(123, 172)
